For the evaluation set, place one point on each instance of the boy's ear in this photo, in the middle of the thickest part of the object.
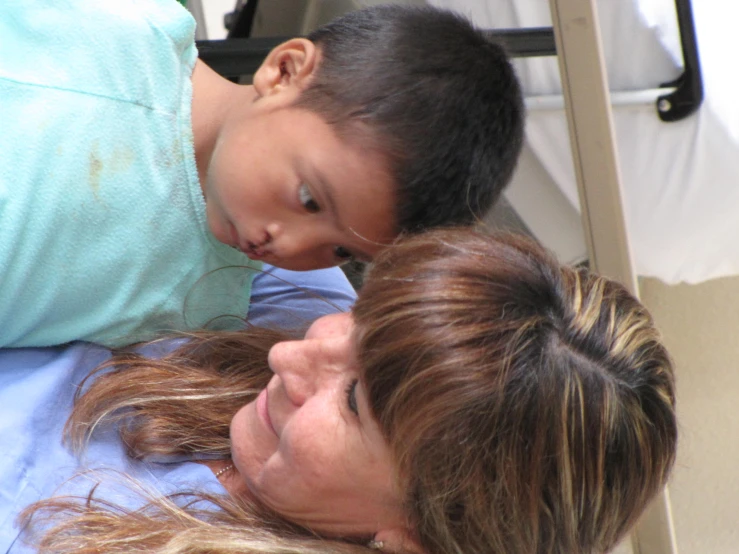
(287, 68)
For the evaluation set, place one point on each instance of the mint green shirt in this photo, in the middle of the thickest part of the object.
(103, 234)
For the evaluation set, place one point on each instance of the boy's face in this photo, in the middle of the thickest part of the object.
(284, 188)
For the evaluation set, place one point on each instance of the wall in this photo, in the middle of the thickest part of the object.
(700, 324)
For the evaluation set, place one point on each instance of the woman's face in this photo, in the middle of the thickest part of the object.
(308, 447)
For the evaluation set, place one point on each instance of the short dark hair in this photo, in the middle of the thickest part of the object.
(439, 98)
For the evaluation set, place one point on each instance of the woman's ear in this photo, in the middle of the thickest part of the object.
(397, 540)
(287, 68)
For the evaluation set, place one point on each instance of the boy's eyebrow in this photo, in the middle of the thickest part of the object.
(328, 194)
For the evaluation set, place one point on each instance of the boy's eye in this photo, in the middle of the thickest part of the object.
(351, 396)
(342, 254)
(306, 199)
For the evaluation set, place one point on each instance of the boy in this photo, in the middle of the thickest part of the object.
(124, 159)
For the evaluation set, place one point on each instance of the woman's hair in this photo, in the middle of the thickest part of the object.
(438, 98)
(178, 404)
(529, 407)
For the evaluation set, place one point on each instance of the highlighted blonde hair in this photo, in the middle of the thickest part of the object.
(529, 407)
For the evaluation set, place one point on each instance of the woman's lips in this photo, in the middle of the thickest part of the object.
(262, 406)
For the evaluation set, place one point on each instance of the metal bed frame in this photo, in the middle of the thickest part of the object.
(240, 54)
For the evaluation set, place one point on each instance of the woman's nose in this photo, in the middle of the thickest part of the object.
(310, 365)
(289, 360)
(332, 325)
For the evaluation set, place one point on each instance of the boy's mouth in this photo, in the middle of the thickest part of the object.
(255, 252)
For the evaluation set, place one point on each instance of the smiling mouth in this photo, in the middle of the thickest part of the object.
(262, 405)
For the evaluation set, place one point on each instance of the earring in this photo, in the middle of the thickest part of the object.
(375, 545)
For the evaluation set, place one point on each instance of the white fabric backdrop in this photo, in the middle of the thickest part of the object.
(680, 180)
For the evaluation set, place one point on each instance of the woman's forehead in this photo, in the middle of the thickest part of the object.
(330, 326)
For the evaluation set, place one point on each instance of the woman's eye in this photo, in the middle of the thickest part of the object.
(351, 396)
(306, 199)
(342, 254)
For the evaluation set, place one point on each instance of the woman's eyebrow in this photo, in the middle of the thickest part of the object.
(361, 256)
(368, 425)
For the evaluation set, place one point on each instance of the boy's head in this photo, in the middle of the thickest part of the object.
(389, 119)
(438, 98)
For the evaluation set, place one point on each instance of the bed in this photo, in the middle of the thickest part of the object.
(679, 188)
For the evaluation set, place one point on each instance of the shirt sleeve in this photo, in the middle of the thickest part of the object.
(292, 300)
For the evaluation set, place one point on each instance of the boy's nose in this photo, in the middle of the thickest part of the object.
(292, 242)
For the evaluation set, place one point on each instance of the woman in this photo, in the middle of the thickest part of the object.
(482, 398)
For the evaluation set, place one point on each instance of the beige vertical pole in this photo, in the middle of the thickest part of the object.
(587, 104)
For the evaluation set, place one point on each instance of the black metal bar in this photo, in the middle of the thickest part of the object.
(688, 96)
(240, 56)
(525, 43)
(237, 56)
(241, 21)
